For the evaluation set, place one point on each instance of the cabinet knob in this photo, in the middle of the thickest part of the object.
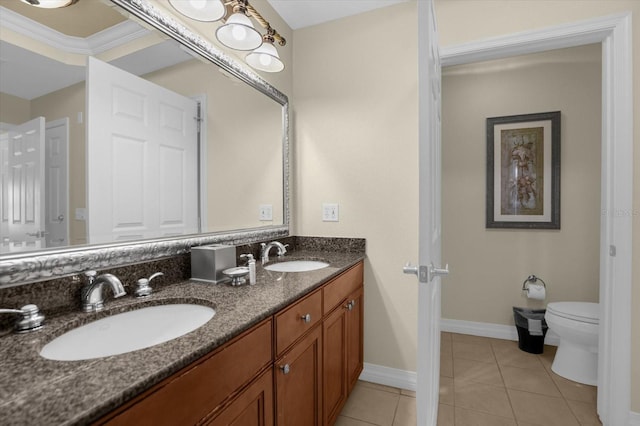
(349, 306)
(285, 369)
(306, 318)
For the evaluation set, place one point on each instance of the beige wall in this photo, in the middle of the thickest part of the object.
(356, 144)
(244, 144)
(489, 265)
(355, 112)
(14, 110)
(68, 102)
(458, 23)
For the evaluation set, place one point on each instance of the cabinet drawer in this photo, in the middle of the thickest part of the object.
(190, 395)
(297, 320)
(342, 286)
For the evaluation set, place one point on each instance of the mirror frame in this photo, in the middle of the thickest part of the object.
(23, 268)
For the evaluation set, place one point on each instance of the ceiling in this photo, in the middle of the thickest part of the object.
(304, 13)
(20, 69)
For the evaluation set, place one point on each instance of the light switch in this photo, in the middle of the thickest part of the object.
(330, 212)
(81, 213)
(266, 212)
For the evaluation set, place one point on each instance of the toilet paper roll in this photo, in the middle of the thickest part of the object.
(536, 291)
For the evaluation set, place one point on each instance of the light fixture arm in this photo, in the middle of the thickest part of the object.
(244, 6)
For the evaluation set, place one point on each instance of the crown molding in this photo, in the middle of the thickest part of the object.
(97, 43)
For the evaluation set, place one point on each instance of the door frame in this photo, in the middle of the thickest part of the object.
(616, 225)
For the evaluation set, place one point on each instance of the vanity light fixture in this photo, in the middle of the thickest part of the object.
(50, 4)
(265, 58)
(237, 32)
(200, 10)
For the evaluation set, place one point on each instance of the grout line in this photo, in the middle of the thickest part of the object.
(360, 420)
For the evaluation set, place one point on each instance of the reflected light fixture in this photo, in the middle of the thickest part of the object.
(238, 32)
(50, 4)
(265, 57)
(200, 10)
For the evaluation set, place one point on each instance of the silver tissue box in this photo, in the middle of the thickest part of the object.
(208, 262)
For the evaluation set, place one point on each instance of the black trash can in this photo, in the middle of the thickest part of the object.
(530, 334)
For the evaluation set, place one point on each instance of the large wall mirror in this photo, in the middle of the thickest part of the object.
(129, 137)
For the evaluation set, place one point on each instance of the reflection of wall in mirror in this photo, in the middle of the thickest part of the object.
(243, 124)
(63, 103)
(244, 149)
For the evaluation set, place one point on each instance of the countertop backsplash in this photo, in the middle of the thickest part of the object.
(62, 295)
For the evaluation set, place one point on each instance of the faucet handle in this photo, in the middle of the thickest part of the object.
(91, 275)
(143, 288)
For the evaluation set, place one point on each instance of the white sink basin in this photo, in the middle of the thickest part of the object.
(296, 266)
(127, 332)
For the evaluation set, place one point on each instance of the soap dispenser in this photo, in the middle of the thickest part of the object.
(143, 289)
(251, 263)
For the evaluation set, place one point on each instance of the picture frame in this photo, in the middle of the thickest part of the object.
(523, 171)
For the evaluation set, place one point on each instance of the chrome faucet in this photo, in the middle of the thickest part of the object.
(91, 295)
(31, 318)
(266, 248)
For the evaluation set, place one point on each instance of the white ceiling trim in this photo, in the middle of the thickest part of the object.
(97, 43)
(304, 13)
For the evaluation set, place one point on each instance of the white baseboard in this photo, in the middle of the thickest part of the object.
(387, 376)
(634, 419)
(486, 329)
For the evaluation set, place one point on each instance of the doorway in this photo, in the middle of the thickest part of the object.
(616, 169)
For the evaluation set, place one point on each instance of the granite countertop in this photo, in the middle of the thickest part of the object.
(34, 390)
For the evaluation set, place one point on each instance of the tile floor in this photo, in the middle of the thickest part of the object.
(483, 381)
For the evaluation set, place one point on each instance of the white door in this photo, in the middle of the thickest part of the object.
(56, 142)
(25, 194)
(428, 271)
(141, 158)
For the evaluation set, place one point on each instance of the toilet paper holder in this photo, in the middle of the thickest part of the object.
(532, 279)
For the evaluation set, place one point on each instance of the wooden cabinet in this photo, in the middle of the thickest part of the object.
(297, 319)
(317, 346)
(253, 407)
(334, 331)
(355, 346)
(342, 341)
(298, 382)
(203, 387)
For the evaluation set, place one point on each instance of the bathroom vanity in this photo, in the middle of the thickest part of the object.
(287, 350)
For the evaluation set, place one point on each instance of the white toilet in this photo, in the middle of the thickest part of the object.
(576, 324)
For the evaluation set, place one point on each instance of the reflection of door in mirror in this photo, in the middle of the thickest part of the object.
(22, 193)
(57, 183)
(42, 74)
(33, 185)
(142, 143)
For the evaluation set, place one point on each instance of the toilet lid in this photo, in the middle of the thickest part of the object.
(577, 311)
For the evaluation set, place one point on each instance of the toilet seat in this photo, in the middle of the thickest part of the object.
(577, 311)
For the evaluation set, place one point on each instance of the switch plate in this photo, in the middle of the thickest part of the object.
(81, 213)
(266, 212)
(330, 212)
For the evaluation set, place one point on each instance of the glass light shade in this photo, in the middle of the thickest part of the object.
(265, 58)
(49, 4)
(200, 10)
(238, 33)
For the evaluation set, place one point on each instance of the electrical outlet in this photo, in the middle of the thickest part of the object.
(330, 212)
(266, 212)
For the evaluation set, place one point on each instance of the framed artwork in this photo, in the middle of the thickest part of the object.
(523, 171)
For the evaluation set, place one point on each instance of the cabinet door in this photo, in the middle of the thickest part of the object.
(355, 350)
(298, 377)
(334, 341)
(253, 407)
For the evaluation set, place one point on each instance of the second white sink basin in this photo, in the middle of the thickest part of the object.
(296, 266)
(127, 332)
